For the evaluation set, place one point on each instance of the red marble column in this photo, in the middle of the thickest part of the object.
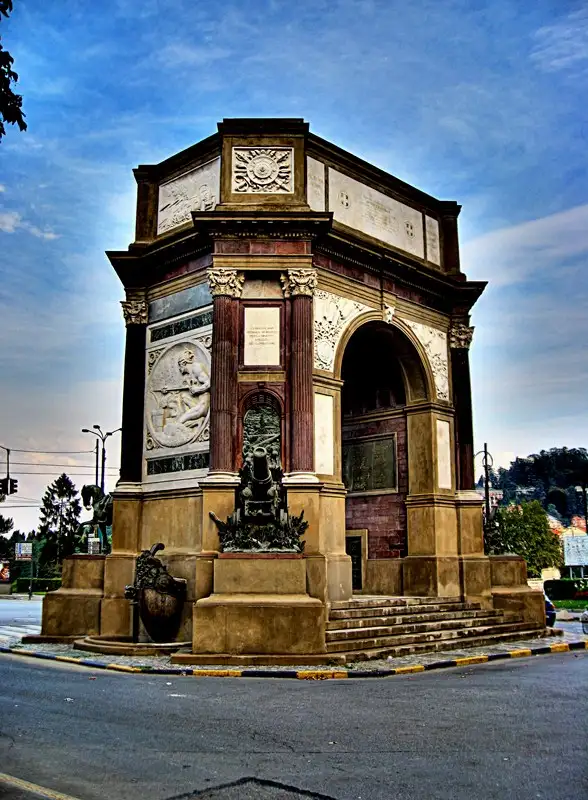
(226, 288)
(460, 337)
(302, 283)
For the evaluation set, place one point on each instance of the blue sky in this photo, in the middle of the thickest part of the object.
(479, 102)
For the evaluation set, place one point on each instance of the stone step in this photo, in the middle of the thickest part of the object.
(401, 617)
(460, 634)
(346, 634)
(384, 601)
(482, 640)
(376, 611)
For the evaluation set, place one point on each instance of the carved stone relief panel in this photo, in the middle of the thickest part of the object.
(197, 190)
(263, 170)
(177, 407)
(434, 342)
(332, 315)
(432, 234)
(359, 206)
(315, 184)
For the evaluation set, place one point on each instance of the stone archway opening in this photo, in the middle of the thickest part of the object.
(381, 374)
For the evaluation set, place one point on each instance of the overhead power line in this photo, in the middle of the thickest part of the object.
(51, 452)
(69, 474)
(44, 464)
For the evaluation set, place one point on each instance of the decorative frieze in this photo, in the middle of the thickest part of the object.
(460, 336)
(135, 312)
(225, 281)
(263, 170)
(332, 315)
(434, 342)
(197, 190)
(299, 282)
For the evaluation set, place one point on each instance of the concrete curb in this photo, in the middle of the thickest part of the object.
(308, 674)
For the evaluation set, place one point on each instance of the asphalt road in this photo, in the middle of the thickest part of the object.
(19, 618)
(509, 729)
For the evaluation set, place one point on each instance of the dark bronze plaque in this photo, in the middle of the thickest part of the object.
(370, 465)
(262, 428)
(353, 549)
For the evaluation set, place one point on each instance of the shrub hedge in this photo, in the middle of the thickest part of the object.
(566, 589)
(39, 585)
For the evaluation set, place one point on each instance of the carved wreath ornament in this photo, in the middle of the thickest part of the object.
(262, 170)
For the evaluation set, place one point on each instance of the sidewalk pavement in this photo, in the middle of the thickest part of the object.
(376, 668)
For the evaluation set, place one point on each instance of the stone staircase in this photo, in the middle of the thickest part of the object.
(377, 627)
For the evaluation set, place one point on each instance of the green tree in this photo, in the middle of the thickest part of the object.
(523, 529)
(60, 518)
(10, 103)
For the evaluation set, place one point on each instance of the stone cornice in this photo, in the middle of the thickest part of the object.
(221, 224)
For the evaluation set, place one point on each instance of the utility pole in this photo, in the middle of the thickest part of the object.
(96, 462)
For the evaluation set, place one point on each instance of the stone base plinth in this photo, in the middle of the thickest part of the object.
(431, 576)
(261, 573)
(511, 592)
(260, 624)
(74, 609)
(71, 612)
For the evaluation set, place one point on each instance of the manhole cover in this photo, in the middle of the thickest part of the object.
(253, 789)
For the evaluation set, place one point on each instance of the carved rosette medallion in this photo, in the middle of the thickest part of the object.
(299, 282)
(135, 312)
(178, 395)
(460, 336)
(332, 315)
(434, 343)
(225, 281)
(263, 170)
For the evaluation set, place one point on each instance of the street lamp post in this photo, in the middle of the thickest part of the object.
(102, 436)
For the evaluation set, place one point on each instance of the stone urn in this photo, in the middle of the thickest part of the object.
(158, 595)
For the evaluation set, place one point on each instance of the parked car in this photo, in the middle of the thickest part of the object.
(549, 612)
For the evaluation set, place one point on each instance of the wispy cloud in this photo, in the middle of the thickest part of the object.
(11, 221)
(511, 255)
(564, 44)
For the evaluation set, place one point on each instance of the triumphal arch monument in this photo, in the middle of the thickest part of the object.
(286, 298)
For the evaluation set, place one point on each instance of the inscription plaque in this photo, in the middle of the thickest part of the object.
(432, 231)
(262, 337)
(370, 465)
(315, 184)
(361, 207)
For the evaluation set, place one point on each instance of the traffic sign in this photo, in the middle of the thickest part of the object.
(24, 551)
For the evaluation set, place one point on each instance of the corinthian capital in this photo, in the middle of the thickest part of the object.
(460, 336)
(225, 281)
(299, 282)
(135, 312)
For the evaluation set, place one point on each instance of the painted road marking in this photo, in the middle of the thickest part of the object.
(10, 780)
